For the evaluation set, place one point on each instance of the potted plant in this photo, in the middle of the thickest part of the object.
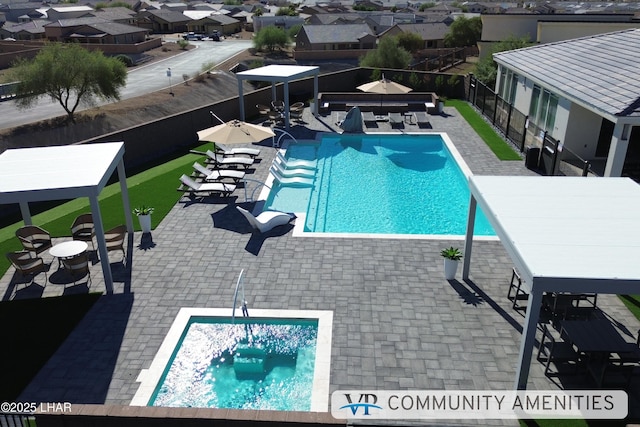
(144, 216)
(451, 257)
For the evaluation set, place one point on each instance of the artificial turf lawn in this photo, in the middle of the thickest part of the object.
(33, 329)
(500, 148)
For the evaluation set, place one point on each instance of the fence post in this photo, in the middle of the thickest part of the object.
(471, 84)
(585, 168)
(484, 97)
(555, 156)
(506, 131)
(495, 108)
(524, 133)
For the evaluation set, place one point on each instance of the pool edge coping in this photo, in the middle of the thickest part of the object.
(149, 378)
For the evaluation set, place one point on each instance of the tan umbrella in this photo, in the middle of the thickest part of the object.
(384, 86)
(235, 132)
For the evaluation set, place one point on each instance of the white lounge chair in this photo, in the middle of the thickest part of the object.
(304, 164)
(236, 151)
(217, 174)
(280, 167)
(266, 220)
(229, 161)
(422, 119)
(395, 119)
(295, 181)
(189, 186)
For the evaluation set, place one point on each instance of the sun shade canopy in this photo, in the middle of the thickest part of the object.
(65, 172)
(564, 234)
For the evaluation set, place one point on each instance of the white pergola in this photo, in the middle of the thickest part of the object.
(65, 172)
(275, 74)
(563, 234)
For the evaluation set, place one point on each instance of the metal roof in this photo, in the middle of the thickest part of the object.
(598, 72)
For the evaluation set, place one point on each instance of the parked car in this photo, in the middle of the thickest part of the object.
(193, 36)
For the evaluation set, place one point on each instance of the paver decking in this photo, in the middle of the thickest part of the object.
(398, 324)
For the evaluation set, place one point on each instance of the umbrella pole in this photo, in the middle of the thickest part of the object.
(214, 115)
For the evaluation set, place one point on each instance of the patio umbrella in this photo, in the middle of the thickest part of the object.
(235, 132)
(384, 86)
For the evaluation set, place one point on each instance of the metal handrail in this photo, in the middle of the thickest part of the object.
(245, 310)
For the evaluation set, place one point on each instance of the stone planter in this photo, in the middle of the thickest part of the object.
(145, 223)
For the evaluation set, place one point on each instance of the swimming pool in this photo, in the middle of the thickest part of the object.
(382, 184)
(273, 360)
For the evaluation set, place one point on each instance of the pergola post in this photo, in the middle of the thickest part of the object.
(468, 240)
(528, 337)
(26, 213)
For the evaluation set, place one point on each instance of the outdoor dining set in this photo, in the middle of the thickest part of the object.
(579, 338)
(276, 112)
(72, 255)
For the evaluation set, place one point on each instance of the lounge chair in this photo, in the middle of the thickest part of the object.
(266, 220)
(368, 117)
(189, 186)
(236, 151)
(422, 119)
(217, 174)
(287, 173)
(290, 163)
(395, 119)
(294, 181)
(219, 160)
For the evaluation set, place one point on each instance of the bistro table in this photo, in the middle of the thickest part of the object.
(597, 339)
(68, 249)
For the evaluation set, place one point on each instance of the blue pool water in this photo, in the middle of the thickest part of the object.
(381, 184)
(252, 364)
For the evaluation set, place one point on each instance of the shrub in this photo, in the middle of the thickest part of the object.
(125, 59)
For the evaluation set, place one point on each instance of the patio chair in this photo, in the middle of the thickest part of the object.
(297, 106)
(83, 229)
(422, 119)
(77, 267)
(115, 238)
(278, 105)
(193, 189)
(294, 181)
(219, 160)
(275, 116)
(518, 293)
(557, 351)
(236, 151)
(295, 163)
(217, 175)
(27, 265)
(263, 110)
(395, 119)
(34, 239)
(266, 220)
(287, 173)
(296, 115)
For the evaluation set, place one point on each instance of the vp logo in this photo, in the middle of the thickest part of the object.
(366, 401)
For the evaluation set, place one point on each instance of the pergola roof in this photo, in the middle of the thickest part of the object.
(64, 172)
(566, 234)
(278, 73)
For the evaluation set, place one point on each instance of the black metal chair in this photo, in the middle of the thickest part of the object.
(557, 351)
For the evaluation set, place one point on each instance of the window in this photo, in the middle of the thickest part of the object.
(543, 107)
(508, 85)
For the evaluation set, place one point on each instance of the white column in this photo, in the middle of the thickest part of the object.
(617, 150)
(286, 104)
(122, 177)
(468, 240)
(315, 95)
(26, 213)
(102, 244)
(528, 337)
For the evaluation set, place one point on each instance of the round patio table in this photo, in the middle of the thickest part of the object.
(68, 249)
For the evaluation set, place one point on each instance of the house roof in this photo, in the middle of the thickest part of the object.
(33, 27)
(336, 33)
(115, 28)
(115, 13)
(598, 72)
(171, 16)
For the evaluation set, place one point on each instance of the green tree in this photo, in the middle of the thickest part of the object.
(293, 31)
(69, 74)
(388, 55)
(102, 5)
(463, 32)
(486, 69)
(258, 12)
(425, 6)
(287, 11)
(411, 42)
(270, 37)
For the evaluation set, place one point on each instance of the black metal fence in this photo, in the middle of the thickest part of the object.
(9, 419)
(549, 157)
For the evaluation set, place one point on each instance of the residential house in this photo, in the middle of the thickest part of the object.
(163, 21)
(335, 37)
(94, 30)
(548, 28)
(121, 15)
(207, 22)
(584, 92)
(21, 12)
(30, 30)
(68, 12)
(176, 7)
(432, 33)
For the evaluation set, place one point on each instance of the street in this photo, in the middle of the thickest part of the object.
(140, 80)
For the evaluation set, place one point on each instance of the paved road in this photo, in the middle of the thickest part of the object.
(141, 80)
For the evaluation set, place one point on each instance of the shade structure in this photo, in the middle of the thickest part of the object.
(235, 132)
(352, 123)
(384, 86)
